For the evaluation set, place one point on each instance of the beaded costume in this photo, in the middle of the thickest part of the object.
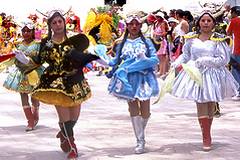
(63, 82)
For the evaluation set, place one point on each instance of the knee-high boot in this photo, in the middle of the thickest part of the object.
(138, 126)
(205, 124)
(145, 120)
(68, 132)
(64, 145)
(35, 111)
(29, 116)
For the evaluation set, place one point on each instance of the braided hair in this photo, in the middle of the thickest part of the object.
(142, 38)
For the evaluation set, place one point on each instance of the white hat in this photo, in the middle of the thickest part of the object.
(160, 14)
(27, 23)
(131, 17)
(171, 19)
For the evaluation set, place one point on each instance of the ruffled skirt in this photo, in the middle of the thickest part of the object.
(60, 91)
(141, 85)
(19, 82)
(218, 83)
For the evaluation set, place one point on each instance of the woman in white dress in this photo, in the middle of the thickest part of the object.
(210, 53)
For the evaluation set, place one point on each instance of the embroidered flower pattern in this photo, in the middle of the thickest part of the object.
(49, 44)
(58, 83)
(134, 50)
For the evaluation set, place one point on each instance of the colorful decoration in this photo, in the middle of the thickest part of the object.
(101, 25)
(5, 57)
(73, 22)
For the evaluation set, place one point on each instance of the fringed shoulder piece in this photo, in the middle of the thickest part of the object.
(220, 37)
(190, 35)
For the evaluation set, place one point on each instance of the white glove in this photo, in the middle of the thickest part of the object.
(100, 49)
(21, 57)
(202, 61)
(175, 64)
(91, 50)
(198, 63)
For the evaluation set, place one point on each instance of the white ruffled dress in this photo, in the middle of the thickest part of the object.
(217, 82)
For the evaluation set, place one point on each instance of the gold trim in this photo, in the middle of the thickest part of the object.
(218, 39)
(58, 42)
(190, 36)
(58, 97)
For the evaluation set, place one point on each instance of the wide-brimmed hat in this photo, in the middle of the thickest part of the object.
(171, 19)
(160, 14)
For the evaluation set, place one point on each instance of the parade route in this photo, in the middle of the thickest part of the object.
(104, 130)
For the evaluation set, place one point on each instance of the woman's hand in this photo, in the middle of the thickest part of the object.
(20, 56)
(174, 65)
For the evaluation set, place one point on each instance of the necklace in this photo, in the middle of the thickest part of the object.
(58, 41)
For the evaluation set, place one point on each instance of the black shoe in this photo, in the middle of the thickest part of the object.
(217, 113)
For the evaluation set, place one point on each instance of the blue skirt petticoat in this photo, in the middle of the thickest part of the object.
(17, 81)
(141, 85)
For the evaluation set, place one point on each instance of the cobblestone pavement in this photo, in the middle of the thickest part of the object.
(104, 130)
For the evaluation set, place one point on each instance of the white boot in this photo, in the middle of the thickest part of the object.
(144, 121)
(138, 127)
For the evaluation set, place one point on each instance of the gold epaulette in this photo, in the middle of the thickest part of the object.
(219, 37)
(188, 36)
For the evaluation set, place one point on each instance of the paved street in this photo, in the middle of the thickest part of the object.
(104, 130)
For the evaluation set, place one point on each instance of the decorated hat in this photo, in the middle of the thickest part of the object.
(27, 23)
(50, 13)
(131, 17)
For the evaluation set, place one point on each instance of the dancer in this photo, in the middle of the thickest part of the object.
(210, 53)
(63, 84)
(19, 80)
(133, 77)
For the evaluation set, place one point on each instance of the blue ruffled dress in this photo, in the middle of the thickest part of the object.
(18, 80)
(133, 76)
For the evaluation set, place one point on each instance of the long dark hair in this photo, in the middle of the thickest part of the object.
(56, 14)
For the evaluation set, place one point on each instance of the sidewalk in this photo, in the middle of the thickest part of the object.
(104, 130)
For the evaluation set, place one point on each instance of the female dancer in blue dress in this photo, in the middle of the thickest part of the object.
(18, 80)
(133, 77)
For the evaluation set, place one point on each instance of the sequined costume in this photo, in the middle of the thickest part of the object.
(18, 79)
(63, 82)
(213, 55)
